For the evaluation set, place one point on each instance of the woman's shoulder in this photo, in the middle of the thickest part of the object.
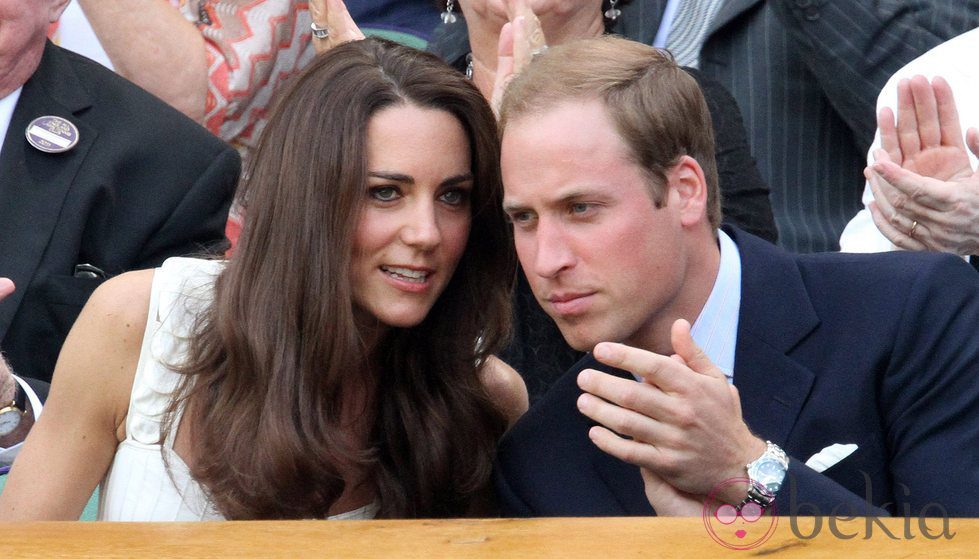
(505, 387)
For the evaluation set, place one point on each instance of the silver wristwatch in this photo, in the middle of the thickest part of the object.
(766, 475)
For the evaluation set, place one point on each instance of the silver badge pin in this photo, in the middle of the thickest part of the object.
(52, 134)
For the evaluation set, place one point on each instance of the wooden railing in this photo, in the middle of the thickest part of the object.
(591, 538)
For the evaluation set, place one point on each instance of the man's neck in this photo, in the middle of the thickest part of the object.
(697, 283)
(17, 69)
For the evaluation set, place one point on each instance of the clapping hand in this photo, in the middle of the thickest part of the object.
(521, 39)
(332, 25)
(926, 193)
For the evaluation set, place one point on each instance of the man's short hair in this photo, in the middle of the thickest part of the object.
(657, 108)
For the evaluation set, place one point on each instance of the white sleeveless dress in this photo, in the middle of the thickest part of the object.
(138, 485)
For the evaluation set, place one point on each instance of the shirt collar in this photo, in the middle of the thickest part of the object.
(716, 329)
(7, 105)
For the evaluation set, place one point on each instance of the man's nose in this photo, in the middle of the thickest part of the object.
(553, 253)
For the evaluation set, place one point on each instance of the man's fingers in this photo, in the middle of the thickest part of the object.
(626, 393)
(633, 452)
(685, 347)
(621, 420)
(656, 369)
(6, 288)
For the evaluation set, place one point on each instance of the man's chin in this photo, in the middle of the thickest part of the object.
(578, 337)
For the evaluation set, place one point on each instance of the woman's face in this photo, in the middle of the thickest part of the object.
(415, 220)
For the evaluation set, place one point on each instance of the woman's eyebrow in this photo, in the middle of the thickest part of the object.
(458, 179)
(408, 179)
(391, 176)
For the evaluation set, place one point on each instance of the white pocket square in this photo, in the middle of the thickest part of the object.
(830, 456)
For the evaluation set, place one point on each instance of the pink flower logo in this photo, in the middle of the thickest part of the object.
(740, 527)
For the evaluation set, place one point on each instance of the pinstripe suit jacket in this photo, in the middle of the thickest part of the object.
(806, 74)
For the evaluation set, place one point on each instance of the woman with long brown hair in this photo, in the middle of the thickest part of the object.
(340, 363)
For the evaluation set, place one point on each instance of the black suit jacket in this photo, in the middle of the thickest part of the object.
(877, 350)
(143, 183)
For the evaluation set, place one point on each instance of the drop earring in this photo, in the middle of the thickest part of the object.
(611, 14)
(447, 16)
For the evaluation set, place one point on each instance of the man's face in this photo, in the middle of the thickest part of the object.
(603, 261)
(23, 27)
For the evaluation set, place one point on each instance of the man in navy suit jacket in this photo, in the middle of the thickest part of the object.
(854, 374)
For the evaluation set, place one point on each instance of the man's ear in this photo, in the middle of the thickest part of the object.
(56, 8)
(687, 180)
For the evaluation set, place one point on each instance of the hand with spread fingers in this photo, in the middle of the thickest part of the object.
(681, 424)
(926, 195)
(521, 39)
(332, 25)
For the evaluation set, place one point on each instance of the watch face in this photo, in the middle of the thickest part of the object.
(768, 472)
(9, 420)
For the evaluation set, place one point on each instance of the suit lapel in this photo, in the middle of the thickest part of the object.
(730, 10)
(776, 314)
(33, 184)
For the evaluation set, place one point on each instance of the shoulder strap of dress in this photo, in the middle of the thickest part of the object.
(182, 288)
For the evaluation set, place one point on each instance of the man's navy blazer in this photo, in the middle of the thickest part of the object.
(143, 183)
(878, 350)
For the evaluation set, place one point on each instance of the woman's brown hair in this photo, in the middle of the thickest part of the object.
(278, 356)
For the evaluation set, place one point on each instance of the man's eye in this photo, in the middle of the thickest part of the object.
(580, 208)
(520, 217)
(384, 193)
(455, 197)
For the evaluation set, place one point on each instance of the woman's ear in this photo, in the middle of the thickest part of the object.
(687, 180)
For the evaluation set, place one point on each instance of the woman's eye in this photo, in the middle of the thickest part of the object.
(384, 193)
(455, 197)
